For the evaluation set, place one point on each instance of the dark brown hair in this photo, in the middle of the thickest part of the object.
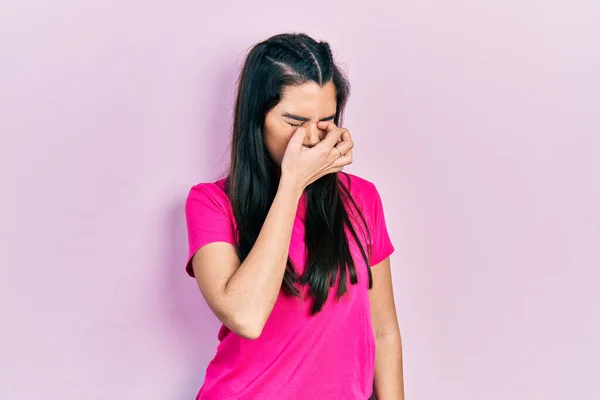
(271, 65)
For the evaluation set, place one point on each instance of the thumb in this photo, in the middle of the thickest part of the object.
(298, 137)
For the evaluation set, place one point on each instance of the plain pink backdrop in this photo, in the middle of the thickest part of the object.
(478, 121)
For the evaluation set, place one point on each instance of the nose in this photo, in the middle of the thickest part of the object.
(313, 136)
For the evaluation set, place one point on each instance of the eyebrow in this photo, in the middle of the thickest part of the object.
(299, 118)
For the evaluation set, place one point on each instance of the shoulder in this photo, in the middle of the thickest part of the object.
(366, 196)
(214, 193)
(217, 187)
(360, 188)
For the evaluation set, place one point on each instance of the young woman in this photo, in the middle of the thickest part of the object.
(289, 252)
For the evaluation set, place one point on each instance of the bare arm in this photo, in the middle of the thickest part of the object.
(389, 380)
(242, 295)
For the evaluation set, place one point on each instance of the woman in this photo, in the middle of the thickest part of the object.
(291, 254)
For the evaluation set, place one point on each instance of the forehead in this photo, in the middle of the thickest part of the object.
(309, 99)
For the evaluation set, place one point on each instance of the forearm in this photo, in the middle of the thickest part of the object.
(253, 289)
(389, 378)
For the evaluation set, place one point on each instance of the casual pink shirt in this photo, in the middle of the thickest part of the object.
(327, 356)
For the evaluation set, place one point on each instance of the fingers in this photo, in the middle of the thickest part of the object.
(335, 137)
(346, 159)
(332, 136)
(338, 144)
(342, 161)
(298, 137)
(341, 153)
(346, 144)
(327, 125)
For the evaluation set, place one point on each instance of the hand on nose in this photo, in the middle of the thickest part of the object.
(301, 166)
(314, 135)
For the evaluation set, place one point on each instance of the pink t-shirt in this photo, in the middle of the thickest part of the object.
(327, 356)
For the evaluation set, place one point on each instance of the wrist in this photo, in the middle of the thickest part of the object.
(290, 186)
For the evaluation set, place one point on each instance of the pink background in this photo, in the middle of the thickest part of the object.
(478, 121)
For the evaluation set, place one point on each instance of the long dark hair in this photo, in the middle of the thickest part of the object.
(271, 65)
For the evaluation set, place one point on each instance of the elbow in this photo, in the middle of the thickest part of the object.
(241, 319)
(251, 334)
(246, 327)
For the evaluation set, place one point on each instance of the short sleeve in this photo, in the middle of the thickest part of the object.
(381, 244)
(207, 220)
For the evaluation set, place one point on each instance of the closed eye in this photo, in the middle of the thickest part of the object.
(295, 125)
